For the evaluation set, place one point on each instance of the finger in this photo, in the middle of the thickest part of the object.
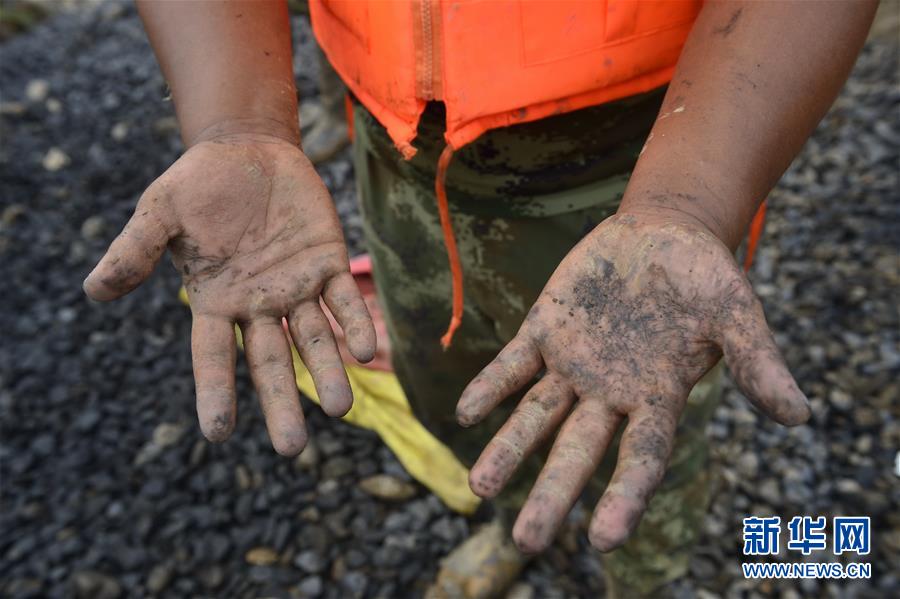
(343, 298)
(515, 365)
(759, 369)
(575, 455)
(272, 370)
(537, 415)
(132, 255)
(643, 455)
(315, 343)
(213, 352)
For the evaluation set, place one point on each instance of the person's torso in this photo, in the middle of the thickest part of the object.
(497, 63)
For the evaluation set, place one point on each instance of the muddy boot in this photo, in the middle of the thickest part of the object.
(483, 567)
(323, 124)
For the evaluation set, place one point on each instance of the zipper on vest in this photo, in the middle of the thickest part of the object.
(428, 51)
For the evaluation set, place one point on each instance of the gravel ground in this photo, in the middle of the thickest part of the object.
(108, 489)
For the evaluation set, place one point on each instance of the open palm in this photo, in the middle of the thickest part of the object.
(632, 318)
(254, 233)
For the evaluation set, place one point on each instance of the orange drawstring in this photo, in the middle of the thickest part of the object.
(756, 228)
(348, 113)
(450, 243)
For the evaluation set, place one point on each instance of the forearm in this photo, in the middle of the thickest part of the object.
(228, 65)
(753, 81)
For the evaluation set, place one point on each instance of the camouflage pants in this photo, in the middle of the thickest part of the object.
(520, 198)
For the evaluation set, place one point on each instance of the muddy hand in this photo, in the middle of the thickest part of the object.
(254, 233)
(632, 318)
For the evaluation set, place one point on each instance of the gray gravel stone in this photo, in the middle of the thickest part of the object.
(311, 587)
(311, 562)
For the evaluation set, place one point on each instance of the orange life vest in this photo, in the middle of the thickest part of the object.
(498, 62)
(495, 63)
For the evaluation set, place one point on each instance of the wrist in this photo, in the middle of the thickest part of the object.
(661, 216)
(685, 209)
(261, 128)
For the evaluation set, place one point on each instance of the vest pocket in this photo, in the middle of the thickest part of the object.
(621, 20)
(555, 30)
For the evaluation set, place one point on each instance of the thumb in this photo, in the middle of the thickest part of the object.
(759, 368)
(132, 255)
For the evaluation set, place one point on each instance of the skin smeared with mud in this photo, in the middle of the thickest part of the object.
(255, 236)
(633, 317)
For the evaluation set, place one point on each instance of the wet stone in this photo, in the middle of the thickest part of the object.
(355, 583)
(311, 562)
(311, 586)
(337, 467)
(384, 486)
(212, 577)
(159, 578)
(261, 556)
(95, 585)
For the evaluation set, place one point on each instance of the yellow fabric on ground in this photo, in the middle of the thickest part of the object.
(379, 404)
